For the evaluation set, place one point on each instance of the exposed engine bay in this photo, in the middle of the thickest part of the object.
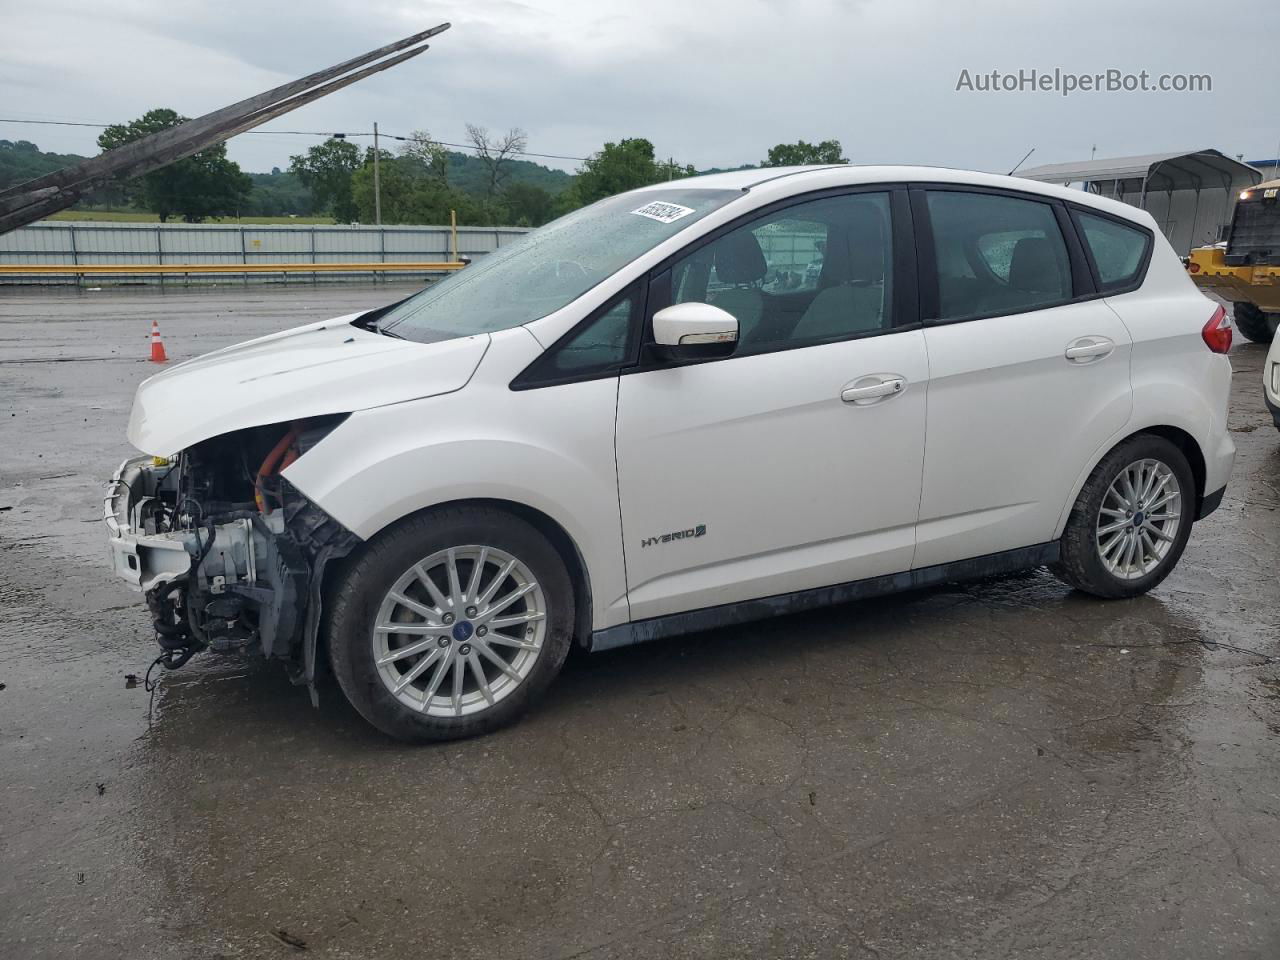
(228, 553)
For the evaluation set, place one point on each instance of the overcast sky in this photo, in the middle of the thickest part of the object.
(710, 82)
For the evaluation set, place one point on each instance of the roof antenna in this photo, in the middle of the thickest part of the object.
(1021, 162)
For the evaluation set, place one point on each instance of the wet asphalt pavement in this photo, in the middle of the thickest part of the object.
(1003, 769)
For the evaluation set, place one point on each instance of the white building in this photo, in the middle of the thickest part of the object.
(1190, 194)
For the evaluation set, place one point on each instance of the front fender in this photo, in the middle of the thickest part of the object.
(550, 449)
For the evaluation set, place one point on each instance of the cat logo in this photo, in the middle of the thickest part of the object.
(699, 531)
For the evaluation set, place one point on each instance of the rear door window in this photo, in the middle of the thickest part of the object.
(1119, 252)
(996, 254)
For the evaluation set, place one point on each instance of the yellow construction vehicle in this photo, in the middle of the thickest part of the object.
(1246, 268)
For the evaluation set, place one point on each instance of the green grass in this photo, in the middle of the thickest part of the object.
(133, 217)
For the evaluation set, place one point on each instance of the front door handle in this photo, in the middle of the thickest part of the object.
(1088, 349)
(873, 389)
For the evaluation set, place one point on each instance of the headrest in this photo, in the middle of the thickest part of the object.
(856, 247)
(738, 258)
(1035, 265)
(866, 243)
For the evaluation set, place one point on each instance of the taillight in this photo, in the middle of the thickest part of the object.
(1217, 332)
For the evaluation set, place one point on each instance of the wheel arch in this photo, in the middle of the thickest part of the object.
(1179, 437)
(555, 533)
(1190, 448)
(564, 545)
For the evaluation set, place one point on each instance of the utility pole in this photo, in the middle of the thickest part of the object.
(377, 183)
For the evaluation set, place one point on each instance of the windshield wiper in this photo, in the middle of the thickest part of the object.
(387, 332)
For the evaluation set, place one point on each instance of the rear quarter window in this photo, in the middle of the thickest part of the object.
(1119, 252)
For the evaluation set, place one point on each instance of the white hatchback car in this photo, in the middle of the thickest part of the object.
(616, 429)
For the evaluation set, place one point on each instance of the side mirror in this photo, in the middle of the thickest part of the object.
(694, 331)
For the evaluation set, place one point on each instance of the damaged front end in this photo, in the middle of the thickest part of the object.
(229, 555)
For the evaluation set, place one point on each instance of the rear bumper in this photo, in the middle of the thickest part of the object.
(1219, 457)
(1211, 502)
(1273, 407)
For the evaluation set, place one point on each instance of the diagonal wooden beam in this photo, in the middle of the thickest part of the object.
(27, 202)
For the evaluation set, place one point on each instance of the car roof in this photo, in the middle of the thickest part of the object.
(795, 180)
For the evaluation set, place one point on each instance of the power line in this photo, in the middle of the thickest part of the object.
(317, 133)
(523, 153)
(55, 123)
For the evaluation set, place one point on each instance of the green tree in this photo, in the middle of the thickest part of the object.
(432, 156)
(800, 152)
(470, 173)
(277, 194)
(397, 184)
(410, 194)
(619, 167)
(496, 153)
(326, 169)
(527, 205)
(22, 160)
(205, 184)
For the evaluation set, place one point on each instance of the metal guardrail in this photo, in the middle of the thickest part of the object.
(129, 269)
(52, 252)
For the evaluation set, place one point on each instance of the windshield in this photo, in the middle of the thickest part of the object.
(549, 267)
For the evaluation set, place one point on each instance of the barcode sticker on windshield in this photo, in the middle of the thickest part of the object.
(663, 212)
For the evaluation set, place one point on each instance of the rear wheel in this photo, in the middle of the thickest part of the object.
(450, 624)
(1131, 521)
(1253, 323)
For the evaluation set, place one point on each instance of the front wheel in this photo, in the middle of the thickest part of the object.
(449, 624)
(1131, 521)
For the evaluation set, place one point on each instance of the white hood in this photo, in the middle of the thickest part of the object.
(320, 368)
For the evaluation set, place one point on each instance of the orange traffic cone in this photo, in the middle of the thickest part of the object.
(157, 345)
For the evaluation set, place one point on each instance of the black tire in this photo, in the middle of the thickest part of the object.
(1080, 564)
(356, 595)
(1253, 323)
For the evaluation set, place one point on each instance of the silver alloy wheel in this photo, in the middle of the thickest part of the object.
(459, 631)
(1139, 519)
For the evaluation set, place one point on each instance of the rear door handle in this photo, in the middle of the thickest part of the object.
(1087, 349)
(873, 389)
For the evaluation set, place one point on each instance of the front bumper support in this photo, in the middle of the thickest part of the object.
(233, 581)
(143, 560)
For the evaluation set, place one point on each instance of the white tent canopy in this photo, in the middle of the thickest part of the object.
(1191, 194)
